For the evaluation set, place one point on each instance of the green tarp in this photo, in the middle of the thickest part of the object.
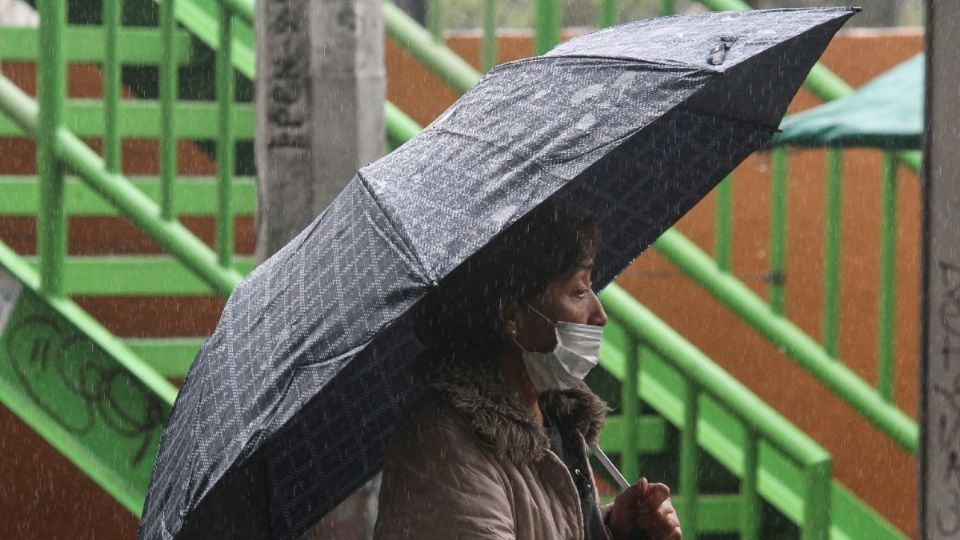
(887, 113)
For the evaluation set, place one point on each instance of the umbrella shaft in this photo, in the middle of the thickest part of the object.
(610, 467)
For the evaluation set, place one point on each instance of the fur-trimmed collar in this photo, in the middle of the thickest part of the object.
(500, 421)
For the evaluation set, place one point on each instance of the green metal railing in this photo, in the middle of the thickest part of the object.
(635, 334)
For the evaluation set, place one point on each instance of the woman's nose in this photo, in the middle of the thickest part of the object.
(598, 317)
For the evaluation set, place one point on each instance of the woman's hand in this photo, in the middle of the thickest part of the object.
(645, 507)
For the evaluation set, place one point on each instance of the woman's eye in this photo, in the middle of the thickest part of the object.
(580, 293)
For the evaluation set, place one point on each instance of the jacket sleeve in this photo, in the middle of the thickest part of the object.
(436, 485)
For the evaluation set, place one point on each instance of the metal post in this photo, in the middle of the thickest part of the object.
(886, 332)
(778, 229)
(816, 501)
(489, 54)
(608, 13)
(749, 497)
(112, 15)
(939, 411)
(723, 226)
(51, 220)
(168, 99)
(690, 460)
(549, 17)
(631, 413)
(831, 257)
(666, 8)
(225, 143)
(435, 19)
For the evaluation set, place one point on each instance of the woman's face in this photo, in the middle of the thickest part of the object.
(567, 298)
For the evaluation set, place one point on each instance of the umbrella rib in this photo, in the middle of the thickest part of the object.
(398, 230)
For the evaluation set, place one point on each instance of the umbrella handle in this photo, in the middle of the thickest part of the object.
(610, 467)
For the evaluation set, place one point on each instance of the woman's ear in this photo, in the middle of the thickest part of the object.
(508, 315)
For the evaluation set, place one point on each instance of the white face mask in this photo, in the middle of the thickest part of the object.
(576, 353)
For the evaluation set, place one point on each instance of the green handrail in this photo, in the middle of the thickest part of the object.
(446, 64)
(796, 344)
(72, 152)
(703, 377)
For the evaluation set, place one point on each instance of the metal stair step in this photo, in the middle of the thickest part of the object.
(140, 118)
(171, 357)
(87, 43)
(118, 275)
(78, 386)
(192, 196)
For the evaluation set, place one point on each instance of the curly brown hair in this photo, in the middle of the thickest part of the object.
(457, 322)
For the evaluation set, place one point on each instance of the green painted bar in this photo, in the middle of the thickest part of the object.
(488, 57)
(140, 209)
(667, 8)
(135, 46)
(721, 433)
(749, 496)
(226, 148)
(548, 17)
(608, 13)
(816, 501)
(400, 127)
(241, 8)
(831, 256)
(194, 196)
(438, 58)
(722, 245)
(716, 514)
(706, 376)
(651, 436)
(170, 357)
(796, 344)
(690, 460)
(778, 230)
(435, 19)
(886, 332)
(136, 275)
(51, 220)
(39, 403)
(168, 103)
(112, 20)
(630, 399)
(141, 119)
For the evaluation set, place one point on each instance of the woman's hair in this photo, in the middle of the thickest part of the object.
(457, 322)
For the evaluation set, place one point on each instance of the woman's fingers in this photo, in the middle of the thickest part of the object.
(656, 514)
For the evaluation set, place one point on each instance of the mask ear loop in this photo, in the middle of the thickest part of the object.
(535, 310)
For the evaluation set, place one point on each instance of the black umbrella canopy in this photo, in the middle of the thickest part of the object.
(290, 404)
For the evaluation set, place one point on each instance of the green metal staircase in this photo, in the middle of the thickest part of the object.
(102, 400)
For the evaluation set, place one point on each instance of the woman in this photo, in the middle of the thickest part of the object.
(496, 446)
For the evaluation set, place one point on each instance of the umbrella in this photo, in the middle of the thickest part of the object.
(886, 113)
(290, 404)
